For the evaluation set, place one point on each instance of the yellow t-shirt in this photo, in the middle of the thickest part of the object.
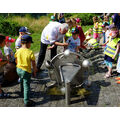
(24, 57)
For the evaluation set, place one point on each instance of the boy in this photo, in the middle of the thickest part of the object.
(22, 31)
(2, 63)
(8, 51)
(74, 41)
(24, 58)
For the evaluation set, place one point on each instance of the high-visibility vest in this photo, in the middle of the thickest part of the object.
(95, 30)
(100, 28)
(68, 34)
(93, 43)
(111, 47)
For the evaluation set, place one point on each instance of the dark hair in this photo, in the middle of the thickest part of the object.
(2, 38)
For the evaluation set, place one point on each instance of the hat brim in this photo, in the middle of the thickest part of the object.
(28, 33)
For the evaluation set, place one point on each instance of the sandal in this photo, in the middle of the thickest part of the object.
(4, 95)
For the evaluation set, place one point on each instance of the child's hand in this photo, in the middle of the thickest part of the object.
(48, 48)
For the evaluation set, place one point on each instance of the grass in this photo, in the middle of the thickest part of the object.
(35, 27)
(36, 39)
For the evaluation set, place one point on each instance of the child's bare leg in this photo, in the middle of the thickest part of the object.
(109, 70)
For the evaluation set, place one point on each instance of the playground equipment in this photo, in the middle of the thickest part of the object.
(67, 71)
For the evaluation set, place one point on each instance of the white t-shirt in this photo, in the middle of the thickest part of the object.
(73, 44)
(18, 43)
(107, 35)
(8, 51)
(51, 33)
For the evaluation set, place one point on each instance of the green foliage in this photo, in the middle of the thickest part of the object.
(86, 17)
(8, 27)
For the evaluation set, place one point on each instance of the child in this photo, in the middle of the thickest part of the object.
(74, 41)
(2, 63)
(81, 33)
(24, 58)
(95, 28)
(22, 31)
(111, 50)
(8, 51)
(68, 34)
(105, 23)
(92, 43)
(88, 32)
(107, 36)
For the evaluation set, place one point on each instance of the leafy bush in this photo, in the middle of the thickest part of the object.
(8, 27)
(86, 17)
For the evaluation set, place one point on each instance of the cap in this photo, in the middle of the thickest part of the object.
(26, 39)
(52, 17)
(75, 31)
(24, 29)
(9, 39)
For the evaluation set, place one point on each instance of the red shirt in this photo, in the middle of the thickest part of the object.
(81, 36)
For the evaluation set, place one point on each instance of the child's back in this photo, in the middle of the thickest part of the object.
(24, 58)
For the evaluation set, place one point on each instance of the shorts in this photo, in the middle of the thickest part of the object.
(108, 63)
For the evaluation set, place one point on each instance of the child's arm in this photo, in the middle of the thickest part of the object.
(77, 49)
(34, 68)
(116, 52)
(61, 44)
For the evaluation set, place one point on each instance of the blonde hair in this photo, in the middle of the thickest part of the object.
(73, 20)
(95, 19)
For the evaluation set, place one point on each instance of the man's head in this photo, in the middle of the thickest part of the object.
(63, 28)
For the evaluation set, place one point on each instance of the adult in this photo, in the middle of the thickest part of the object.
(52, 34)
(61, 18)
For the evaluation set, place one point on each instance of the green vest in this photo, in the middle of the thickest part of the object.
(95, 30)
(93, 43)
(111, 47)
(100, 28)
(68, 34)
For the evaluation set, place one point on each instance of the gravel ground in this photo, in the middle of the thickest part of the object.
(104, 92)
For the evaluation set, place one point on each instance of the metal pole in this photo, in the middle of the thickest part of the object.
(67, 92)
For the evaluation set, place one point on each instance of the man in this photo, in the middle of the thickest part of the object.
(52, 34)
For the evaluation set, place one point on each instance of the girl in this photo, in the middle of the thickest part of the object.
(81, 33)
(111, 50)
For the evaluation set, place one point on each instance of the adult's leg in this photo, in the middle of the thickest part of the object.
(41, 56)
(53, 52)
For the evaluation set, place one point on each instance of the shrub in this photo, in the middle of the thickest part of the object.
(8, 27)
(86, 17)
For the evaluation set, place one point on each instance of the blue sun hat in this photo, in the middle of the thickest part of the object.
(24, 29)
